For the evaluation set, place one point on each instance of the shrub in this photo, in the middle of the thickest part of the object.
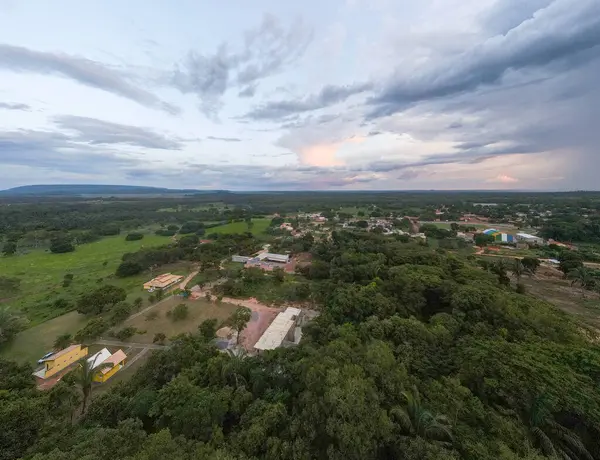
(120, 312)
(521, 289)
(152, 316)
(126, 334)
(159, 338)
(180, 312)
(134, 236)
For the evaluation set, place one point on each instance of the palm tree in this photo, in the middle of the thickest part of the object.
(582, 277)
(234, 365)
(415, 420)
(84, 376)
(553, 439)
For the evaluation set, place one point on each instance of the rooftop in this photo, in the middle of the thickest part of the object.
(116, 358)
(278, 329)
(64, 351)
(98, 358)
(166, 279)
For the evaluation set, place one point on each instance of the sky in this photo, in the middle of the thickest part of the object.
(311, 95)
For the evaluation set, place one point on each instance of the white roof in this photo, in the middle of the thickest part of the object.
(271, 256)
(278, 329)
(98, 358)
(527, 235)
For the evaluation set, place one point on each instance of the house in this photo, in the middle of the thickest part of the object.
(242, 259)
(61, 360)
(107, 364)
(281, 330)
(162, 282)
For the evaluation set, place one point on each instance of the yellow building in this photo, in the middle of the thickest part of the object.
(61, 360)
(107, 364)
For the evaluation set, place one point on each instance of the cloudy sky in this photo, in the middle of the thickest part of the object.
(271, 94)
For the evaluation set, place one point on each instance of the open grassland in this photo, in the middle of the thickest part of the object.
(199, 310)
(41, 273)
(260, 225)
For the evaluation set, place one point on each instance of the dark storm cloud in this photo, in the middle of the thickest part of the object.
(8, 106)
(329, 95)
(267, 50)
(94, 131)
(81, 70)
(55, 151)
(561, 30)
(224, 139)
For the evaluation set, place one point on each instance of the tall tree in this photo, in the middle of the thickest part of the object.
(583, 278)
(238, 321)
(9, 248)
(10, 324)
(84, 377)
(517, 269)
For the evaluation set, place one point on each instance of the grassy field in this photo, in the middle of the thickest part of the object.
(260, 225)
(199, 310)
(41, 273)
(33, 343)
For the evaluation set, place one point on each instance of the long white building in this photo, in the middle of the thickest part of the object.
(281, 329)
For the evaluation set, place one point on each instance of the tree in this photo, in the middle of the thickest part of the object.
(134, 236)
(500, 268)
(63, 398)
(10, 324)
(93, 329)
(238, 320)
(553, 439)
(530, 264)
(279, 274)
(61, 245)
(100, 299)
(582, 277)
(208, 329)
(569, 260)
(517, 268)
(63, 341)
(138, 302)
(159, 295)
(180, 312)
(120, 312)
(9, 248)
(415, 420)
(84, 377)
(188, 241)
(128, 268)
(481, 239)
(159, 338)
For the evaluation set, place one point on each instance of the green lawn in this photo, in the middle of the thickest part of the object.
(31, 344)
(41, 273)
(260, 225)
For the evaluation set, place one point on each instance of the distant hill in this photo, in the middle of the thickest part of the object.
(91, 189)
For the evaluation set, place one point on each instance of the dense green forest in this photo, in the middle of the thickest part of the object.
(416, 354)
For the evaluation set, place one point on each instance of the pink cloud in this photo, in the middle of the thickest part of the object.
(320, 155)
(503, 178)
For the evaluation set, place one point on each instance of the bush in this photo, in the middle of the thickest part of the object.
(521, 289)
(96, 301)
(164, 232)
(180, 312)
(152, 316)
(159, 338)
(134, 236)
(126, 334)
(191, 227)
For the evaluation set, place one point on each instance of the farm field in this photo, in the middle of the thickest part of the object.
(199, 310)
(260, 225)
(41, 273)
